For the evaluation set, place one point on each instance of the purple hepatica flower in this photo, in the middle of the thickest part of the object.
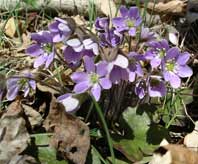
(16, 84)
(175, 66)
(70, 103)
(156, 87)
(147, 35)
(43, 49)
(110, 38)
(75, 50)
(94, 79)
(129, 21)
(60, 30)
(118, 69)
(134, 67)
(140, 89)
(157, 52)
(102, 24)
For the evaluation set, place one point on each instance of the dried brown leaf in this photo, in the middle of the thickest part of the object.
(191, 139)
(14, 137)
(10, 27)
(22, 159)
(34, 117)
(174, 7)
(174, 154)
(71, 136)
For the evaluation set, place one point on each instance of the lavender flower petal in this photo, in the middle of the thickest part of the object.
(105, 83)
(82, 87)
(96, 91)
(78, 77)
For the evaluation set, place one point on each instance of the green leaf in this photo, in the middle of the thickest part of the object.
(46, 154)
(95, 156)
(32, 3)
(187, 95)
(141, 136)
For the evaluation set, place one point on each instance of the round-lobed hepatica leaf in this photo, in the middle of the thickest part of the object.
(141, 137)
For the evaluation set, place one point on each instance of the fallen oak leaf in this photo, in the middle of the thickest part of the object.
(191, 139)
(71, 136)
(14, 137)
(174, 154)
(34, 117)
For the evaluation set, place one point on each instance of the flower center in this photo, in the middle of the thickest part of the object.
(130, 23)
(170, 66)
(162, 53)
(22, 82)
(94, 78)
(47, 47)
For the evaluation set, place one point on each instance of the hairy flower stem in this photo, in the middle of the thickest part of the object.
(99, 111)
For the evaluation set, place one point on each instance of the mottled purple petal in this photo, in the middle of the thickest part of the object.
(82, 87)
(74, 42)
(172, 53)
(183, 58)
(119, 21)
(105, 83)
(139, 90)
(184, 71)
(64, 28)
(71, 56)
(101, 69)
(96, 91)
(58, 37)
(158, 90)
(117, 74)
(40, 60)
(12, 92)
(155, 62)
(133, 12)
(70, 103)
(79, 48)
(132, 31)
(89, 64)
(49, 59)
(121, 61)
(53, 27)
(12, 82)
(102, 23)
(139, 70)
(32, 84)
(78, 77)
(34, 50)
(164, 44)
(132, 76)
(174, 80)
(26, 90)
(123, 11)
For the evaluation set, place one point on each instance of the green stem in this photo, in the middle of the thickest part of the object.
(99, 111)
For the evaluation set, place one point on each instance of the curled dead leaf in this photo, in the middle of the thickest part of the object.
(14, 137)
(22, 159)
(71, 136)
(191, 139)
(173, 7)
(34, 117)
(174, 154)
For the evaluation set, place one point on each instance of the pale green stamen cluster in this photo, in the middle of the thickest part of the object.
(94, 78)
(47, 48)
(170, 66)
(22, 82)
(130, 23)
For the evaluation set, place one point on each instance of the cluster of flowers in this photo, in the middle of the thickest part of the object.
(150, 68)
